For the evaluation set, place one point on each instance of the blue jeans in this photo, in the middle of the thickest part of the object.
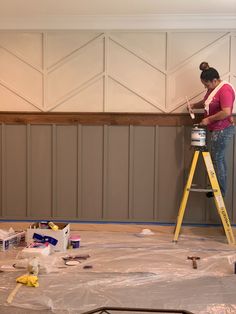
(219, 143)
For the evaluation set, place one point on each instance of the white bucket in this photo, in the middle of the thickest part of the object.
(198, 136)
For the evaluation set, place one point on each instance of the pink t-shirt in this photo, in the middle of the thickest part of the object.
(223, 98)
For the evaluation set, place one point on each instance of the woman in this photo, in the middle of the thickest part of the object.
(218, 105)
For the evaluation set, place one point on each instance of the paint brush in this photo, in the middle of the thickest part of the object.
(192, 115)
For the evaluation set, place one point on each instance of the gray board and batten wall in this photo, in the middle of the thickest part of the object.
(103, 167)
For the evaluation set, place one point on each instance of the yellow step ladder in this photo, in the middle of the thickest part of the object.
(220, 205)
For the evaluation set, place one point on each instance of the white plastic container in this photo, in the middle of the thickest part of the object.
(12, 240)
(198, 137)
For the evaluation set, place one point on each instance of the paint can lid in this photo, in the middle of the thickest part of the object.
(72, 263)
(74, 238)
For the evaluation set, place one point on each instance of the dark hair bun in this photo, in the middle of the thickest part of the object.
(204, 66)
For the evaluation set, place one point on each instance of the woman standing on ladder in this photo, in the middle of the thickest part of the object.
(218, 104)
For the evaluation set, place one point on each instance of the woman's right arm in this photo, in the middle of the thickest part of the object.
(198, 105)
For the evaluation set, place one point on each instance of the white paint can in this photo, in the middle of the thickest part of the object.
(198, 136)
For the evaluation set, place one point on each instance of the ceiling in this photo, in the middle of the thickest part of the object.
(39, 8)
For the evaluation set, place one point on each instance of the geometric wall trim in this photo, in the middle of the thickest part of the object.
(122, 99)
(112, 71)
(122, 66)
(180, 80)
(182, 46)
(63, 44)
(74, 71)
(25, 46)
(87, 99)
(150, 46)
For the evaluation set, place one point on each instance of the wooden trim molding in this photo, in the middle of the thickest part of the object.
(98, 118)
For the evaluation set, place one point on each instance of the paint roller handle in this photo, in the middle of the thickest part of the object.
(194, 264)
(189, 106)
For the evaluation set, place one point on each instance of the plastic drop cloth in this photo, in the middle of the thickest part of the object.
(132, 271)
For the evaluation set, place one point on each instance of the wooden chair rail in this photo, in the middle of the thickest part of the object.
(142, 119)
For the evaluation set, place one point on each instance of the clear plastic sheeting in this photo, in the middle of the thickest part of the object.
(132, 270)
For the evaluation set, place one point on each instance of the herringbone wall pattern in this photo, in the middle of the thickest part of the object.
(81, 71)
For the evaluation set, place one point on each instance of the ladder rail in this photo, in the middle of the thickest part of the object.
(219, 201)
(185, 196)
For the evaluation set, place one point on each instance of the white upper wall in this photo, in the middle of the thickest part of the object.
(117, 14)
(16, 8)
(111, 56)
(113, 71)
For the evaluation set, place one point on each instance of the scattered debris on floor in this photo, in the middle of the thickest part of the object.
(115, 268)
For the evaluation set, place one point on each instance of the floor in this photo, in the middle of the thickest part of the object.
(134, 268)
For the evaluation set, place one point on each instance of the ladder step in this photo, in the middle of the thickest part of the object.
(201, 190)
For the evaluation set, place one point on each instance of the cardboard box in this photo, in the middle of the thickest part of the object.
(61, 236)
(13, 240)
